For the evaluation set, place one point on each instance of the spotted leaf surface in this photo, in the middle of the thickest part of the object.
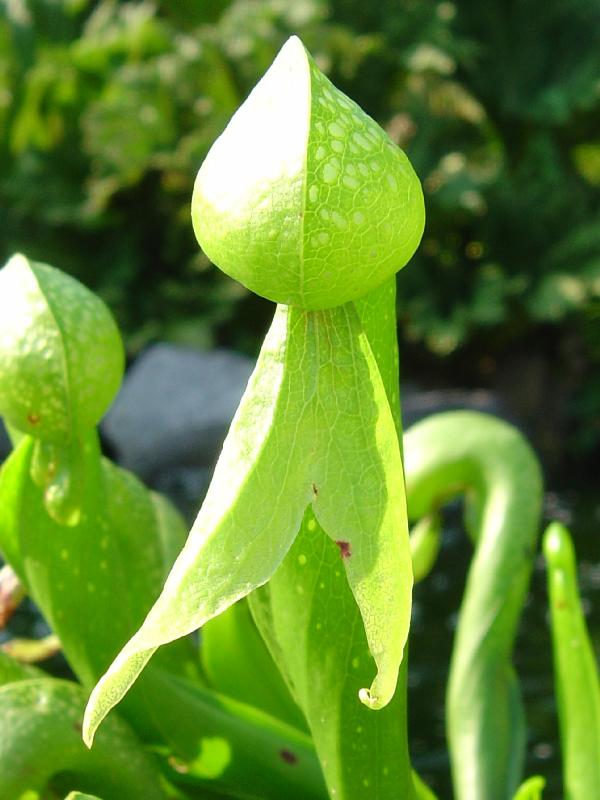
(312, 625)
(61, 361)
(304, 199)
(363, 216)
(40, 744)
(81, 576)
(359, 491)
(61, 356)
(233, 654)
(249, 519)
(314, 421)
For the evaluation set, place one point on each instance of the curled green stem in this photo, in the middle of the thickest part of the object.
(489, 463)
(425, 540)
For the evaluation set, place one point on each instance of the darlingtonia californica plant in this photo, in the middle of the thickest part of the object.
(306, 201)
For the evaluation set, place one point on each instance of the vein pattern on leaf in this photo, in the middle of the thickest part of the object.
(314, 425)
(247, 523)
(360, 503)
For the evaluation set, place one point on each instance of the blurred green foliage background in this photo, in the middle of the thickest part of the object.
(108, 108)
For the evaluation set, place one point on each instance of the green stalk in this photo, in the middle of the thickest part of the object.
(491, 465)
(312, 625)
(575, 668)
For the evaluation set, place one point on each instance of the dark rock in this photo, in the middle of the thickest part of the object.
(418, 404)
(4, 442)
(175, 408)
(185, 487)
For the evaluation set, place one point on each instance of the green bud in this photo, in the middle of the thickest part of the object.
(61, 355)
(304, 199)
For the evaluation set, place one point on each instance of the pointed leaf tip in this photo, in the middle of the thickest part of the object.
(236, 543)
(114, 684)
(369, 700)
(381, 691)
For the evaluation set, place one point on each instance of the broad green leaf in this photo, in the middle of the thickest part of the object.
(93, 581)
(12, 671)
(263, 755)
(313, 628)
(576, 670)
(231, 747)
(237, 663)
(288, 203)
(319, 632)
(531, 789)
(304, 199)
(316, 398)
(95, 578)
(248, 520)
(358, 488)
(40, 742)
(491, 463)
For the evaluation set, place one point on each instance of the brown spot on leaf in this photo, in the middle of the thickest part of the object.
(315, 490)
(345, 550)
(288, 756)
(33, 419)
